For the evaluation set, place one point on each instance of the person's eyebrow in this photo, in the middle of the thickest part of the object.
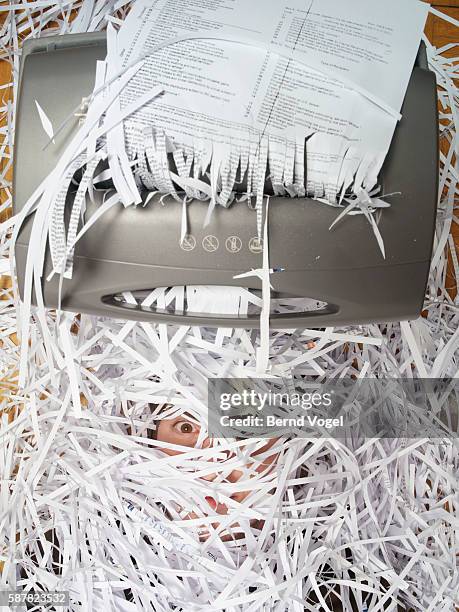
(187, 417)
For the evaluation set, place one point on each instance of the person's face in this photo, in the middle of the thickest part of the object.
(184, 432)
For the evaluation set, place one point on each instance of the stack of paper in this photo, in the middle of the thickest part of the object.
(256, 86)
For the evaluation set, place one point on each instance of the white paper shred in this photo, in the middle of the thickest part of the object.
(91, 503)
(45, 121)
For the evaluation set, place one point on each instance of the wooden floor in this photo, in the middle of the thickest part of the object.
(441, 33)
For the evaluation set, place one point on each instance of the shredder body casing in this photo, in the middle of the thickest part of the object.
(138, 248)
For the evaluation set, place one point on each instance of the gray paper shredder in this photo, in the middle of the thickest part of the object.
(138, 248)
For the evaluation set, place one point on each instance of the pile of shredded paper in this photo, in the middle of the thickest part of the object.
(92, 502)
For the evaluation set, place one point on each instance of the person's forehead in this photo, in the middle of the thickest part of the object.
(173, 421)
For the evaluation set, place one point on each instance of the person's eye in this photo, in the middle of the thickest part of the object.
(185, 427)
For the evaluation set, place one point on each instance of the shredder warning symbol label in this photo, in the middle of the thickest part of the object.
(188, 243)
(210, 243)
(256, 245)
(233, 244)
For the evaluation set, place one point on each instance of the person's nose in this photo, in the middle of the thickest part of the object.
(239, 496)
(234, 476)
(223, 456)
